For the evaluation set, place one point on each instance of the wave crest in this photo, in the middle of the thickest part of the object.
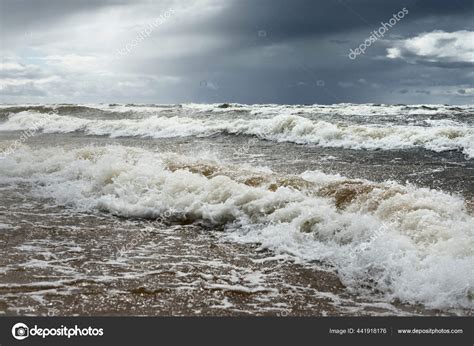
(281, 128)
(411, 244)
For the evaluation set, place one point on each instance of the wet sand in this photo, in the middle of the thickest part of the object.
(59, 263)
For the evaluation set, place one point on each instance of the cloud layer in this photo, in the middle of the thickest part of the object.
(437, 47)
(235, 51)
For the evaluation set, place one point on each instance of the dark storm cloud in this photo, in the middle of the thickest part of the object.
(278, 51)
(300, 18)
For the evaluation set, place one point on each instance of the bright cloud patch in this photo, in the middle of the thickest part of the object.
(437, 47)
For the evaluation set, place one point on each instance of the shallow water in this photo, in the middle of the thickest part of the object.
(219, 222)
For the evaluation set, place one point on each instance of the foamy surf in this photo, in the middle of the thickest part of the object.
(434, 135)
(407, 243)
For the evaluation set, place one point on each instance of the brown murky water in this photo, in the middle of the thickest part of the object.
(57, 262)
(59, 258)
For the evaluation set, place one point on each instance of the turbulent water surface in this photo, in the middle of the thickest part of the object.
(236, 209)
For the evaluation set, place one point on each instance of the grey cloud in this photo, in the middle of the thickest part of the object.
(220, 42)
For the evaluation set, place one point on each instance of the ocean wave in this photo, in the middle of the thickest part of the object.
(80, 109)
(341, 109)
(58, 108)
(344, 109)
(407, 243)
(437, 136)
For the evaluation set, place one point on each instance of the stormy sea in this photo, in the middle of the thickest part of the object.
(232, 209)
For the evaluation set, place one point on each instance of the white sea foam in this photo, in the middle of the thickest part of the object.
(413, 244)
(443, 136)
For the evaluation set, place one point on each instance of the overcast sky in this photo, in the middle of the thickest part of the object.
(260, 51)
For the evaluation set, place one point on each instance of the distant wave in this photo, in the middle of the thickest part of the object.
(411, 244)
(258, 109)
(436, 135)
(60, 109)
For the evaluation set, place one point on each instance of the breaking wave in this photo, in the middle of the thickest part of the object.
(435, 135)
(406, 243)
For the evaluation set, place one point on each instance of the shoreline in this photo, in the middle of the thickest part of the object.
(178, 270)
